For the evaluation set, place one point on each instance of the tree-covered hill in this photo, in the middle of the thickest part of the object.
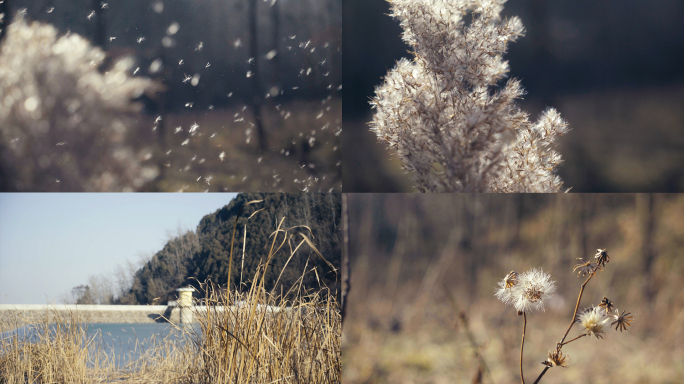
(194, 257)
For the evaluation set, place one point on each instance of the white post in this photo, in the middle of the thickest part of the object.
(185, 305)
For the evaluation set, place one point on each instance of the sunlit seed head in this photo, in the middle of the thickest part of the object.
(593, 320)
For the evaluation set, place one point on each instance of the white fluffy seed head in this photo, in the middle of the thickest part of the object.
(443, 113)
(531, 290)
(594, 320)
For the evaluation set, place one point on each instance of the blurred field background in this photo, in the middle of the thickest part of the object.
(613, 69)
(424, 270)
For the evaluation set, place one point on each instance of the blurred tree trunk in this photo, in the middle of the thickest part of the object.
(257, 92)
(275, 61)
(6, 18)
(346, 286)
(645, 209)
(100, 28)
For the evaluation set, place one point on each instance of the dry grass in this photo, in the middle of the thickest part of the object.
(252, 337)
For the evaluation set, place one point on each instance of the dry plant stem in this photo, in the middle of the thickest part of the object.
(541, 374)
(572, 322)
(522, 378)
(578, 337)
(574, 315)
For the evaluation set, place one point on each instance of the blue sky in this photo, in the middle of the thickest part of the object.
(52, 242)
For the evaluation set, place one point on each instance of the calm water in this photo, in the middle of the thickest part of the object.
(124, 341)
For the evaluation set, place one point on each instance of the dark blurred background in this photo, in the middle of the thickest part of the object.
(262, 79)
(424, 270)
(614, 69)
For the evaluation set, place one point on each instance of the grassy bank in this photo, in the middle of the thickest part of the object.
(257, 336)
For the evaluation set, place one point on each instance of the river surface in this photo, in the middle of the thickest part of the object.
(124, 341)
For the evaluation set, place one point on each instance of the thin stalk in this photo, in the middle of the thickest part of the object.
(568, 342)
(574, 315)
(522, 344)
(541, 374)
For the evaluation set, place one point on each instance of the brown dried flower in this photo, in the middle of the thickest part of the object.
(511, 279)
(622, 320)
(585, 267)
(556, 359)
(607, 305)
(602, 257)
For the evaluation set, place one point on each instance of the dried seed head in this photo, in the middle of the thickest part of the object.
(602, 257)
(593, 320)
(556, 359)
(585, 267)
(505, 291)
(511, 279)
(607, 305)
(527, 290)
(622, 320)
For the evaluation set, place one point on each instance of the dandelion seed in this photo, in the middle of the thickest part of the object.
(90, 16)
(104, 5)
(186, 142)
(178, 130)
(158, 119)
(250, 60)
(249, 74)
(180, 62)
(155, 66)
(136, 71)
(194, 127)
(61, 143)
(593, 320)
(292, 37)
(222, 156)
(237, 43)
(304, 45)
(173, 28)
(208, 65)
(140, 39)
(112, 38)
(187, 78)
(200, 46)
(50, 10)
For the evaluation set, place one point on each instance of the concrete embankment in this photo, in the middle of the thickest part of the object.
(12, 315)
(17, 315)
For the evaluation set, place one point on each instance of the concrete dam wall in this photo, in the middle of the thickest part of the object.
(21, 314)
(17, 315)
